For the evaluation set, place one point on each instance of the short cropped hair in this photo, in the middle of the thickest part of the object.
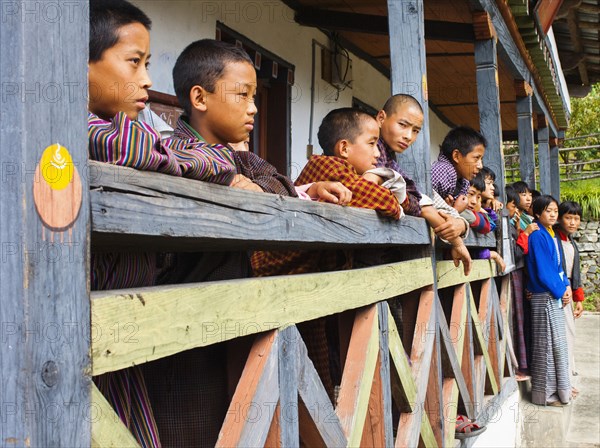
(512, 195)
(106, 17)
(488, 172)
(462, 138)
(395, 101)
(541, 203)
(521, 187)
(478, 182)
(570, 208)
(345, 123)
(202, 63)
(535, 194)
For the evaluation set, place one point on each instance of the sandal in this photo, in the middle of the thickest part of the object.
(466, 428)
(557, 404)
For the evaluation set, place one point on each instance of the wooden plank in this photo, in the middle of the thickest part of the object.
(416, 424)
(44, 225)
(488, 99)
(450, 275)
(554, 172)
(273, 439)
(477, 325)
(384, 372)
(287, 413)
(525, 136)
(482, 26)
(468, 359)
(251, 411)
(475, 239)
(374, 432)
(108, 431)
(318, 421)
(543, 134)
(165, 212)
(401, 365)
(409, 75)
(187, 316)
(434, 404)
(358, 374)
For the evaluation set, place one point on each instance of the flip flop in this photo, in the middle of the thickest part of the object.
(466, 428)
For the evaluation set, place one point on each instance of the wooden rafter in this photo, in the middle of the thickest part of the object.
(578, 47)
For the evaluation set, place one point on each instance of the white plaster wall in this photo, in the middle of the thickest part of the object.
(269, 23)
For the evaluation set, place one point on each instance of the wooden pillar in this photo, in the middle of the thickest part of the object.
(488, 94)
(409, 75)
(44, 226)
(525, 132)
(554, 168)
(544, 154)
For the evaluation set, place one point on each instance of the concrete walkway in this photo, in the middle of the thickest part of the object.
(584, 428)
(519, 423)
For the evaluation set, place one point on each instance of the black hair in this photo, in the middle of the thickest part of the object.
(521, 187)
(478, 182)
(541, 203)
(496, 190)
(512, 195)
(488, 172)
(106, 17)
(345, 123)
(570, 208)
(462, 138)
(535, 194)
(202, 63)
(395, 101)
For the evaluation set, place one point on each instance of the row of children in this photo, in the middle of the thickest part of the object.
(547, 292)
(182, 400)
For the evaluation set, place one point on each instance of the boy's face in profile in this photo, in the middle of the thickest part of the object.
(362, 153)
(400, 129)
(525, 201)
(229, 111)
(119, 82)
(469, 165)
(473, 199)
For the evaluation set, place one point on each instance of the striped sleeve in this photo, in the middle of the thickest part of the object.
(137, 145)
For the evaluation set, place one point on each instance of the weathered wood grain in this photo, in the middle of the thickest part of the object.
(488, 99)
(318, 420)
(359, 370)
(133, 209)
(554, 172)
(384, 372)
(409, 75)
(108, 431)
(450, 275)
(251, 410)
(139, 325)
(526, 145)
(374, 430)
(475, 239)
(479, 319)
(543, 134)
(401, 365)
(287, 411)
(44, 310)
(416, 424)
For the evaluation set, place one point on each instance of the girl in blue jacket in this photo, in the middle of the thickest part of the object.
(549, 286)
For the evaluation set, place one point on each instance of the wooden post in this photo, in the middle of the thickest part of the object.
(544, 155)
(409, 75)
(554, 168)
(488, 94)
(525, 132)
(44, 226)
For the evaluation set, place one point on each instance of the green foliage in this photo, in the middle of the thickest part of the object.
(585, 119)
(592, 302)
(586, 193)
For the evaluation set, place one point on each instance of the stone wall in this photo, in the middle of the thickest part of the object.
(588, 241)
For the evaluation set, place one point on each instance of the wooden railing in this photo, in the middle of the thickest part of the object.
(400, 386)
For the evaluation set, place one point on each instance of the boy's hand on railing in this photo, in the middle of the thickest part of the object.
(499, 260)
(242, 182)
(451, 229)
(497, 205)
(334, 192)
(460, 253)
